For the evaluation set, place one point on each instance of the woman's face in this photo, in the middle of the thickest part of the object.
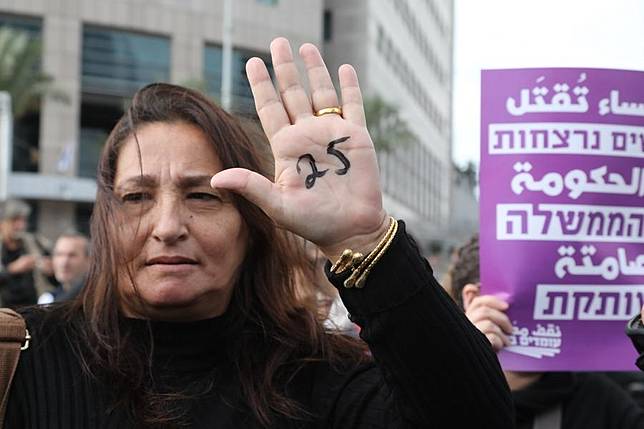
(186, 241)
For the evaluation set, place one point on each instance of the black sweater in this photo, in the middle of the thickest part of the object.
(432, 367)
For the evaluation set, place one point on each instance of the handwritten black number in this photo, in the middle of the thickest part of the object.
(315, 173)
(310, 179)
(335, 152)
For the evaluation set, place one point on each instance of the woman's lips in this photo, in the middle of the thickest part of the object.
(170, 260)
(171, 264)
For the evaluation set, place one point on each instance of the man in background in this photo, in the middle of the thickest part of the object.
(70, 262)
(552, 400)
(25, 268)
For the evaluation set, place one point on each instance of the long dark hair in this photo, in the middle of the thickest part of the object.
(274, 323)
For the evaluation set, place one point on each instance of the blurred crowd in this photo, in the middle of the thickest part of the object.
(34, 270)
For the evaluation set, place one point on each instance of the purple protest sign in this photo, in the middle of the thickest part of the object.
(562, 213)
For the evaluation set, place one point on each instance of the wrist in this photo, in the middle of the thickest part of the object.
(363, 243)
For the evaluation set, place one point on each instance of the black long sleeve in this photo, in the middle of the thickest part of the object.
(440, 371)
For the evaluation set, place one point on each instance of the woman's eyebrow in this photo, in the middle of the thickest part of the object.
(142, 180)
(148, 181)
(194, 181)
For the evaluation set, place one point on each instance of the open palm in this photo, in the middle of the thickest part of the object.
(327, 186)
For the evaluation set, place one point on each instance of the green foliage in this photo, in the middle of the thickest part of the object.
(20, 71)
(388, 130)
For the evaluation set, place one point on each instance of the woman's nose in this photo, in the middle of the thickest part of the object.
(169, 223)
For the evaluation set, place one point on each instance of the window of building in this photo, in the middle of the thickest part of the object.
(268, 2)
(99, 114)
(242, 97)
(213, 64)
(83, 216)
(26, 128)
(327, 25)
(120, 62)
(115, 64)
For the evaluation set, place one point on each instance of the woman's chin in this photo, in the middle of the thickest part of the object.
(170, 295)
(169, 302)
(176, 298)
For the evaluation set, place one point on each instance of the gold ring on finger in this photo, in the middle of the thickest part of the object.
(328, 110)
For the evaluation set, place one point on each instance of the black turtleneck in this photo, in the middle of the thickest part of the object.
(51, 390)
(429, 365)
(184, 348)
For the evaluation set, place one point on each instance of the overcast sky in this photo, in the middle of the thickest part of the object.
(536, 33)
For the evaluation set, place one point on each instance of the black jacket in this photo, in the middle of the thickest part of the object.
(16, 289)
(587, 400)
(635, 330)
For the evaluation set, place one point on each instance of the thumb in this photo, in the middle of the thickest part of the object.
(251, 185)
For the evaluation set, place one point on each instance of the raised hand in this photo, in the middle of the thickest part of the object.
(327, 185)
(487, 313)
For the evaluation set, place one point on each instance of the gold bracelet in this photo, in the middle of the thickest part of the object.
(360, 265)
(363, 277)
(359, 275)
(351, 259)
(348, 259)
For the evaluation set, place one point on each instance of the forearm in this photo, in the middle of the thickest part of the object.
(433, 360)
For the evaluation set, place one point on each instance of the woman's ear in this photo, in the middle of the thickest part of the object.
(469, 292)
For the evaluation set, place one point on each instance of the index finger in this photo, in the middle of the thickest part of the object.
(489, 301)
(267, 103)
(490, 314)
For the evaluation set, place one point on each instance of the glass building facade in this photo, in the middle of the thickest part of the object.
(242, 97)
(115, 64)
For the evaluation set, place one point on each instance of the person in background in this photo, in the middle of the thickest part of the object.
(25, 268)
(70, 262)
(635, 330)
(549, 400)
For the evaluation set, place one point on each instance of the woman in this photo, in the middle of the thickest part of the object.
(190, 316)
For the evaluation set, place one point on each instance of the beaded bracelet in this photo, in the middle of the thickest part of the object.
(360, 265)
